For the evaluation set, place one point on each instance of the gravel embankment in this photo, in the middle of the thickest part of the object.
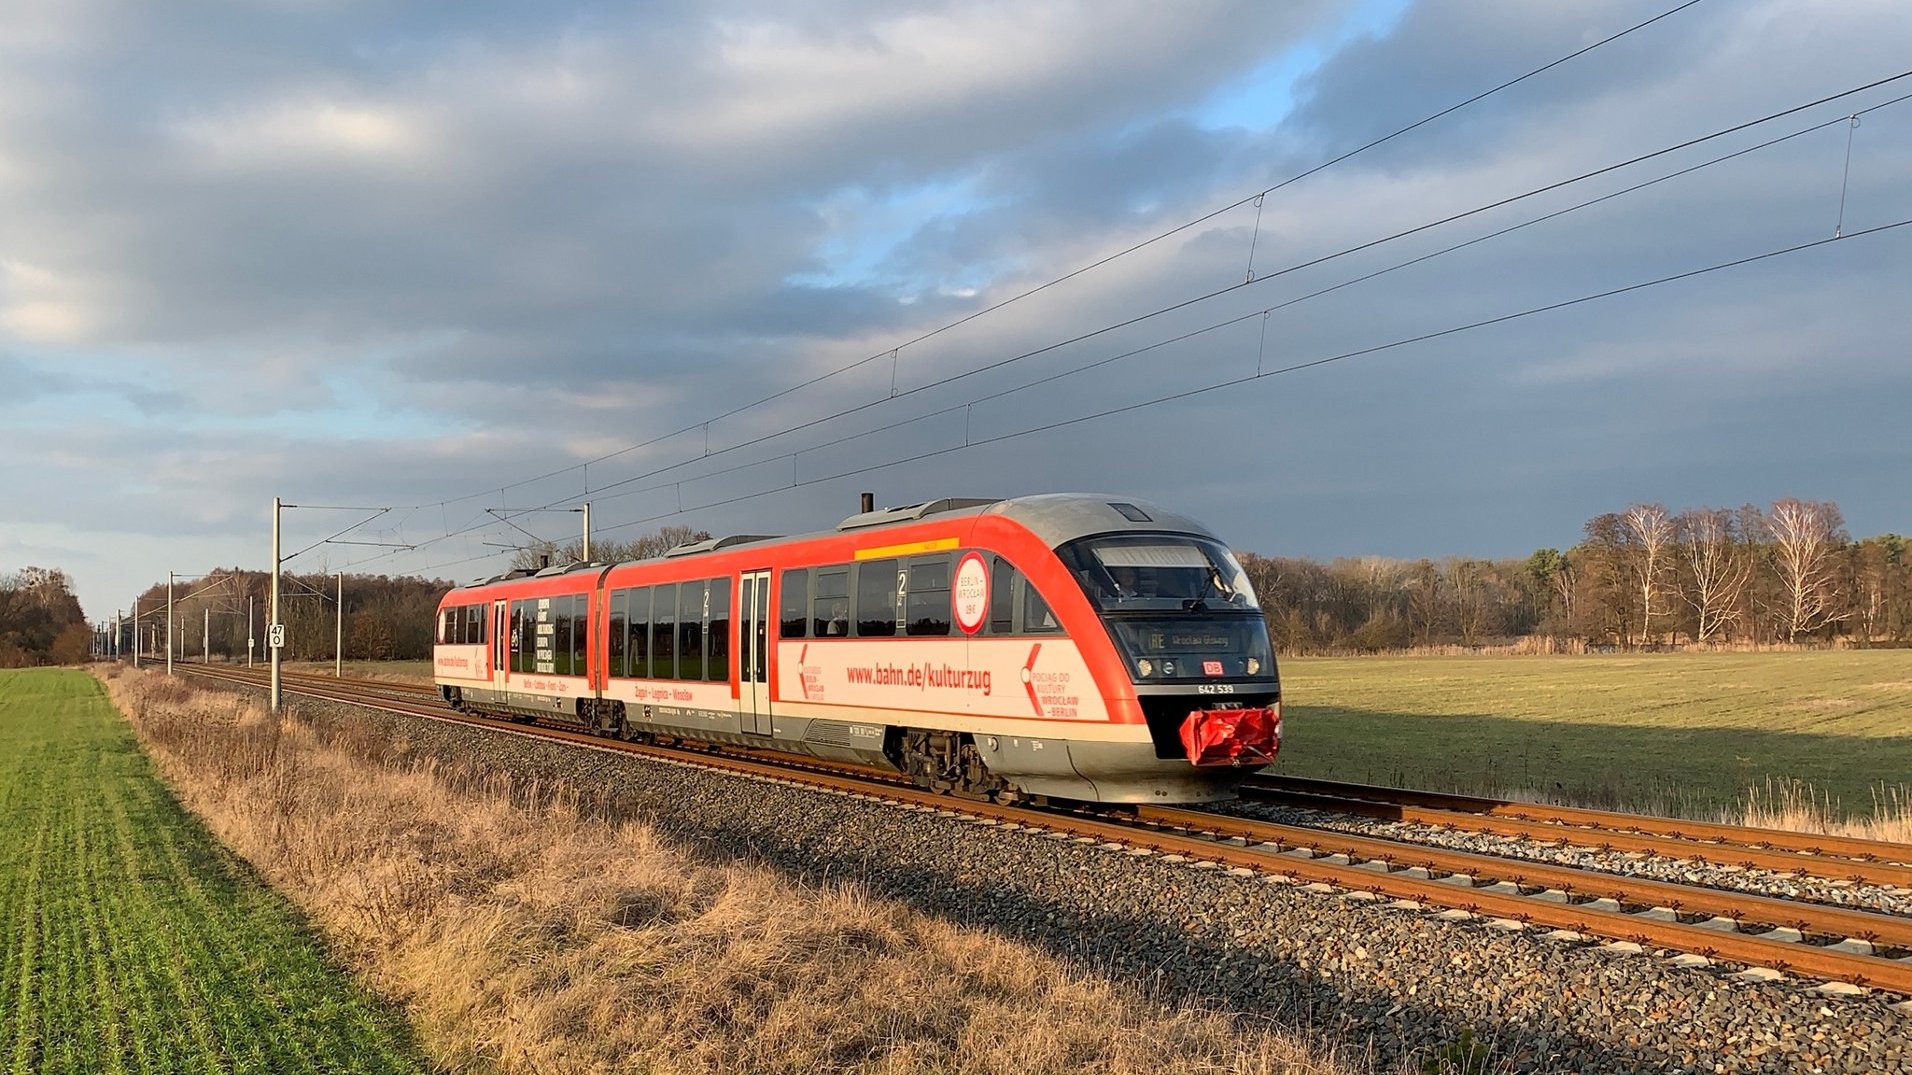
(1890, 900)
(1397, 984)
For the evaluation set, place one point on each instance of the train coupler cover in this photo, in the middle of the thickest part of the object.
(1232, 736)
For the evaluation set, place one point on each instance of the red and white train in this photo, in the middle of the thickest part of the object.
(1067, 645)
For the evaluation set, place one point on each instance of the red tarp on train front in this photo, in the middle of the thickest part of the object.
(1232, 736)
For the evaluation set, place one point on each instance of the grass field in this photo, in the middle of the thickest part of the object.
(1681, 733)
(129, 940)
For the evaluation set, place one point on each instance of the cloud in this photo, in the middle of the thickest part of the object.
(403, 253)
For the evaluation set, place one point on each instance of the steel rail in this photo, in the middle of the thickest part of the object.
(1739, 907)
(1156, 828)
(1847, 858)
(1747, 856)
(1851, 847)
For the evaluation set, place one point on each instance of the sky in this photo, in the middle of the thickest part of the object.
(727, 264)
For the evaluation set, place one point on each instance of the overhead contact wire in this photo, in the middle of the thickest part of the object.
(1124, 252)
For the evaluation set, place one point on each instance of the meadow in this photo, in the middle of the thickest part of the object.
(1692, 734)
(530, 929)
(130, 940)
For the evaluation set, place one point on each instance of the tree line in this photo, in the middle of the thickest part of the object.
(384, 617)
(40, 619)
(1644, 577)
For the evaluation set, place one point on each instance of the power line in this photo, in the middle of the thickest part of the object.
(890, 352)
(1258, 376)
(1196, 300)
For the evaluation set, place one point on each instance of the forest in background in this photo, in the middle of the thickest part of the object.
(40, 619)
(1641, 578)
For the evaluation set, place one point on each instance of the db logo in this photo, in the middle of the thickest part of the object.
(1213, 668)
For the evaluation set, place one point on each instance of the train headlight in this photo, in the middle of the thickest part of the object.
(1168, 668)
(1254, 666)
(1145, 667)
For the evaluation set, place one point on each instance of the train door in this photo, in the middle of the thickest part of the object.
(500, 640)
(753, 634)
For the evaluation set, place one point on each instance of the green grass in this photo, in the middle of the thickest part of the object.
(130, 941)
(1679, 733)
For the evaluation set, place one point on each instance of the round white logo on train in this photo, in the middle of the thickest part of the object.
(969, 597)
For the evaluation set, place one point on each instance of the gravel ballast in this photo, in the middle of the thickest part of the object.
(1400, 985)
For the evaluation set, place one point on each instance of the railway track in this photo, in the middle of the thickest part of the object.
(1838, 857)
(1808, 940)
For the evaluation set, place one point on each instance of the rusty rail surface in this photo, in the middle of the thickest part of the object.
(1268, 848)
(1605, 839)
(1565, 818)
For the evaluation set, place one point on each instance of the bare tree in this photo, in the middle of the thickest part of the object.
(1806, 534)
(1424, 599)
(656, 543)
(1649, 531)
(1717, 567)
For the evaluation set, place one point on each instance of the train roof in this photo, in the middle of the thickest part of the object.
(1056, 518)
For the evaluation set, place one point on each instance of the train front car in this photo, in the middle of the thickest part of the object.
(1187, 699)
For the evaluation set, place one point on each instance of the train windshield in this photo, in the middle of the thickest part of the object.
(1159, 573)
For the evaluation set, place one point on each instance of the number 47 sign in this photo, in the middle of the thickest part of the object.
(275, 636)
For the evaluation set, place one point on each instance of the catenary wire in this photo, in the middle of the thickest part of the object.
(1250, 378)
(1249, 316)
(1186, 303)
(1098, 263)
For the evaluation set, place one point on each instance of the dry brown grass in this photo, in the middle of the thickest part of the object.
(526, 932)
(1797, 806)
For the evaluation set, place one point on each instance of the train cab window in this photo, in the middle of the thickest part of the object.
(926, 606)
(664, 632)
(638, 631)
(444, 627)
(830, 605)
(474, 625)
(1002, 598)
(717, 646)
(614, 640)
(877, 591)
(793, 604)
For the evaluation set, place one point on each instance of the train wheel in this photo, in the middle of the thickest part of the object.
(948, 762)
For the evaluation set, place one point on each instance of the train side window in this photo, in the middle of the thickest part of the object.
(523, 640)
(664, 632)
(561, 624)
(876, 593)
(717, 650)
(474, 625)
(1037, 619)
(580, 634)
(690, 629)
(830, 608)
(1002, 598)
(614, 640)
(793, 604)
(926, 606)
(638, 655)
